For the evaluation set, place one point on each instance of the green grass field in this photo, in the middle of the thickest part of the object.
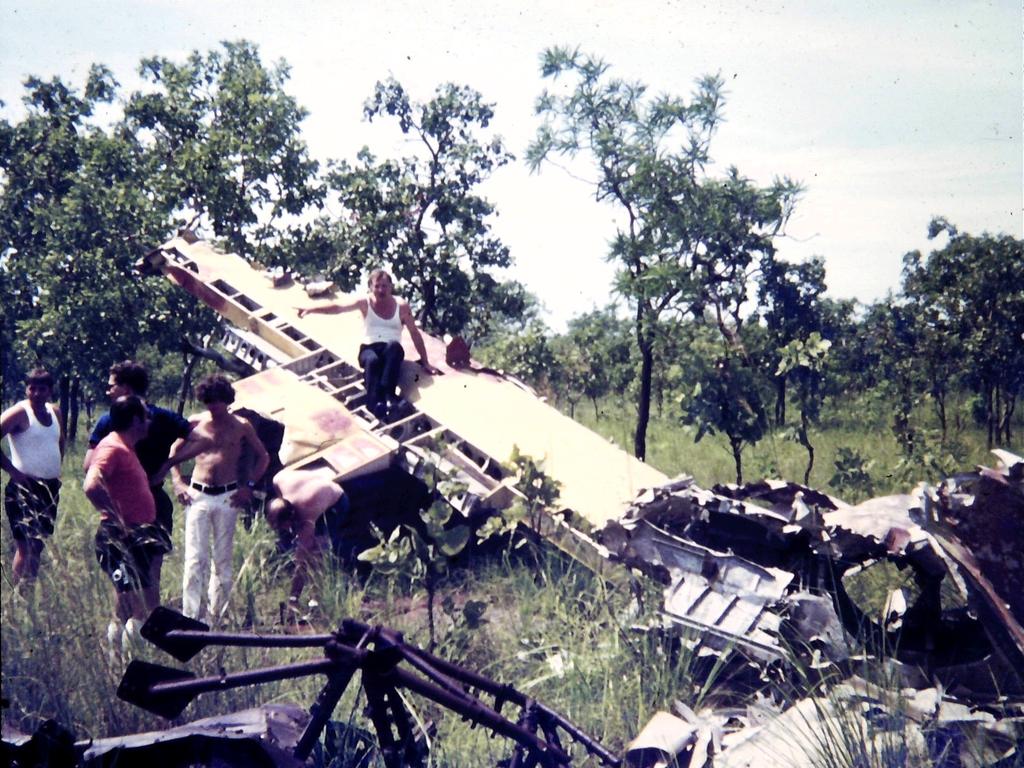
(550, 628)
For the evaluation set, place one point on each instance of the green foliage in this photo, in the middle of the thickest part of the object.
(424, 555)
(594, 356)
(539, 491)
(73, 212)
(688, 241)
(968, 300)
(804, 359)
(215, 139)
(421, 215)
(224, 146)
(526, 353)
(723, 394)
(852, 473)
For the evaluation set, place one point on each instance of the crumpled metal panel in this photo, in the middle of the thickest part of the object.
(855, 723)
(720, 554)
(724, 596)
(985, 512)
(264, 736)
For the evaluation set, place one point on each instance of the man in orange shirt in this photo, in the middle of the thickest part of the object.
(127, 537)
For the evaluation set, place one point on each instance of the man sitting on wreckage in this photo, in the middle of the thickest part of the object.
(381, 353)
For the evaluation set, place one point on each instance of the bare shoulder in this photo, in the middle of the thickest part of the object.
(404, 311)
(14, 419)
(246, 427)
(199, 422)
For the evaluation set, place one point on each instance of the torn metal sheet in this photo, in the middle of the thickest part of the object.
(854, 722)
(260, 737)
(708, 546)
(723, 596)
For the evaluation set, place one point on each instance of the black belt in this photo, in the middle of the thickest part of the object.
(213, 490)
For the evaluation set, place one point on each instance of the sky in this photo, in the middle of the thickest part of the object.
(887, 113)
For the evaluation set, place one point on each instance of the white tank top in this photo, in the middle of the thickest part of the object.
(379, 329)
(36, 450)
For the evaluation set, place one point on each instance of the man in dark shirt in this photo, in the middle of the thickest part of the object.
(165, 427)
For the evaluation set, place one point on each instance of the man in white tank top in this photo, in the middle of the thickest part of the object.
(381, 353)
(35, 437)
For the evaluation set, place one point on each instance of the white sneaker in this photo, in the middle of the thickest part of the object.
(115, 641)
(131, 638)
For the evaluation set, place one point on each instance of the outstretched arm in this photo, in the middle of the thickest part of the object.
(184, 448)
(405, 314)
(334, 308)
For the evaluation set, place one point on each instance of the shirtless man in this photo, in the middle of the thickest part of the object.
(36, 439)
(302, 496)
(220, 486)
(381, 353)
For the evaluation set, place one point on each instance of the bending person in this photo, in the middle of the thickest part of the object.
(381, 353)
(302, 498)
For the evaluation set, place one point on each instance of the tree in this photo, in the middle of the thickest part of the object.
(215, 140)
(968, 297)
(804, 360)
(687, 243)
(726, 397)
(225, 147)
(525, 353)
(893, 334)
(421, 215)
(593, 357)
(74, 214)
(791, 296)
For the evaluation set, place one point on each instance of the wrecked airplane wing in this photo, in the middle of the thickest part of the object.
(760, 570)
(960, 627)
(478, 415)
(774, 551)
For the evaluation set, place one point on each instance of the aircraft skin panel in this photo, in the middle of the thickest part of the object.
(318, 429)
(493, 414)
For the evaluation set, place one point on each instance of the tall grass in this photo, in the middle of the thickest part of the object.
(551, 628)
(671, 448)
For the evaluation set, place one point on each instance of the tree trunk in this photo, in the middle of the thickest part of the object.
(76, 391)
(940, 408)
(186, 380)
(780, 401)
(64, 398)
(806, 443)
(597, 414)
(429, 578)
(1009, 407)
(737, 457)
(643, 415)
(990, 419)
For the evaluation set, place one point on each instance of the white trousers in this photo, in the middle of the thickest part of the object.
(208, 515)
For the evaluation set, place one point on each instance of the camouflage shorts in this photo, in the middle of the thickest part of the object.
(32, 508)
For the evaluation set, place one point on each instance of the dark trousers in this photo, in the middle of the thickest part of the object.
(381, 363)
